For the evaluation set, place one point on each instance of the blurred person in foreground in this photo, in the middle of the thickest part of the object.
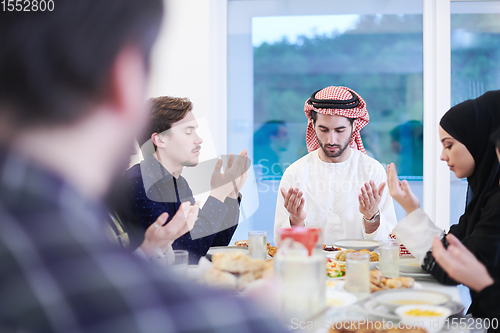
(72, 92)
(169, 144)
(337, 186)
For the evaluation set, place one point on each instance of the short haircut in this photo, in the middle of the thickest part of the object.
(314, 117)
(55, 65)
(165, 111)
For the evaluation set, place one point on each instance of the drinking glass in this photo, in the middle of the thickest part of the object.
(257, 244)
(180, 263)
(358, 274)
(389, 258)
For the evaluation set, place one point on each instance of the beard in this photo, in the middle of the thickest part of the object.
(342, 147)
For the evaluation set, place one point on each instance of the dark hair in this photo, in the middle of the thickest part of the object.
(165, 111)
(55, 64)
(314, 117)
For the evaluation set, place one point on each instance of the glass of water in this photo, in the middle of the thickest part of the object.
(389, 258)
(357, 279)
(257, 244)
(179, 266)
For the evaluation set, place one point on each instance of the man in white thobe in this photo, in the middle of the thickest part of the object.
(336, 186)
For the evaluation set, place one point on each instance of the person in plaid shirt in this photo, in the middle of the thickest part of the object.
(72, 92)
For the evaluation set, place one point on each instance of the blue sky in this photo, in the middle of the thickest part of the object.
(273, 28)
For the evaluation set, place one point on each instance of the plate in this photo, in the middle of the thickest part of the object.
(217, 249)
(425, 276)
(357, 244)
(339, 299)
(225, 249)
(375, 309)
(335, 284)
(410, 265)
(329, 251)
(228, 249)
(393, 298)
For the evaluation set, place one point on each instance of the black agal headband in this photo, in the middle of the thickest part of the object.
(334, 103)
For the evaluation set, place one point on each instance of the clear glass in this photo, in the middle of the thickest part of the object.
(277, 57)
(179, 266)
(301, 284)
(389, 258)
(357, 279)
(257, 244)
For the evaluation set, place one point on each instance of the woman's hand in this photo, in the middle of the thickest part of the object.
(401, 191)
(460, 263)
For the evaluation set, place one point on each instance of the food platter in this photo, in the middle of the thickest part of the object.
(228, 249)
(357, 244)
(332, 256)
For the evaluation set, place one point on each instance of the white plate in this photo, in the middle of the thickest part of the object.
(339, 299)
(228, 249)
(337, 284)
(375, 309)
(217, 249)
(424, 275)
(357, 244)
(392, 298)
(410, 265)
(331, 255)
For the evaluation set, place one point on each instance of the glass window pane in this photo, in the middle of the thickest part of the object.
(379, 55)
(475, 50)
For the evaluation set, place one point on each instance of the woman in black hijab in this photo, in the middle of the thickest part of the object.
(465, 132)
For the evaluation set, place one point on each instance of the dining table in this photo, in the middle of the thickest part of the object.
(356, 310)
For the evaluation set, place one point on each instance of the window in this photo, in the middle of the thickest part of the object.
(280, 52)
(475, 50)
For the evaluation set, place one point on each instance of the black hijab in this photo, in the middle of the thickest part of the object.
(471, 123)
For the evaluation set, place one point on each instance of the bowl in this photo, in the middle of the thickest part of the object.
(422, 317)
(410, 265)
(391, 299)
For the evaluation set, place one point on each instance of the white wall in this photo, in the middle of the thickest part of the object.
(189, 60)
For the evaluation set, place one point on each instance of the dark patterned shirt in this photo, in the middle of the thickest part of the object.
(153, 190)
(58, 272)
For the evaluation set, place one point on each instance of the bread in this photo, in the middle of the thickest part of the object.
(243, 243)
(218, 278)
(236, 262)
(379, 282)
(343, 254)
(271, 250)
(407, 282)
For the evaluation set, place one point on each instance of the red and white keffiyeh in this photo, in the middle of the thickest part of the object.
(359, 113)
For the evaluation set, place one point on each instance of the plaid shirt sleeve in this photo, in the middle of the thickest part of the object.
(58, 273)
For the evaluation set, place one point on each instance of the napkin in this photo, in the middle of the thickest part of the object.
(415, 231)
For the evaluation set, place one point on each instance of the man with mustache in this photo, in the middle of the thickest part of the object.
(336, 186)
(156, 185)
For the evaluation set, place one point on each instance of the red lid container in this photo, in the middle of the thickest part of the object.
(306, 236)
